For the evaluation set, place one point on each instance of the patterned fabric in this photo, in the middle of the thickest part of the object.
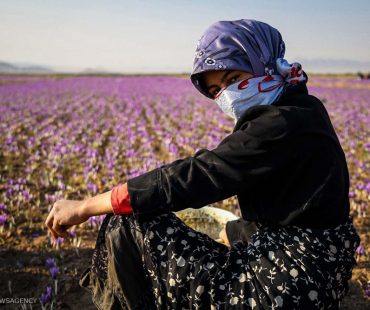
(237, 97)
(179, 268)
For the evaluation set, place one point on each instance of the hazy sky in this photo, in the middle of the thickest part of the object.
(160, 36)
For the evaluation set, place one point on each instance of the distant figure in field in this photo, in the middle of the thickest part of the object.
(293, 247)
(363, 76)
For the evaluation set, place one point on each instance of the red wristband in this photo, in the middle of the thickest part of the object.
(120, 200)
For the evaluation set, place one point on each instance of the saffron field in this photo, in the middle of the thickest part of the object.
(70, 137)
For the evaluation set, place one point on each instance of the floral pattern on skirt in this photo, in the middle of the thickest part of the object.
(161, 263)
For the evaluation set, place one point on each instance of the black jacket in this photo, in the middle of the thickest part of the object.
(283, 161)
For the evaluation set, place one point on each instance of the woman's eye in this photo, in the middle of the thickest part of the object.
(231, 81)
(214, 93)
(234, 79)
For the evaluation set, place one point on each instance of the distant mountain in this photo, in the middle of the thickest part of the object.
(6, 67)
(95, 71)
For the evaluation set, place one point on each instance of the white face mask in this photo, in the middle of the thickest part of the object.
(262, 90)
(239, 96)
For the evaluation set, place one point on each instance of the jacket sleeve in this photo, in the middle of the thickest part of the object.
(120, 200)
(243, 160)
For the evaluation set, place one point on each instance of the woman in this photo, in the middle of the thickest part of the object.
(284, 162)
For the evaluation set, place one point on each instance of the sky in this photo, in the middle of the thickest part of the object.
(136, 36)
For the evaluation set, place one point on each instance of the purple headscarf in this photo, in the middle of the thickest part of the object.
(245, 44)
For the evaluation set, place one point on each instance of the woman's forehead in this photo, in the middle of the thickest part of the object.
(214, 74)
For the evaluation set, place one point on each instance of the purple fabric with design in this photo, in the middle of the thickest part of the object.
(245, 44)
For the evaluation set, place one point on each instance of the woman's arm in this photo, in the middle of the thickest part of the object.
(66, 213)
(243, 160)
(97, 205)
(116, 200)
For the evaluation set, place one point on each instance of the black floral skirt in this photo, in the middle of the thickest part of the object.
(161, 263)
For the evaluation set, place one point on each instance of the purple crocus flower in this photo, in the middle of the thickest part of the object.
(47, 295)
(48, 198)
(54, 271)
(367, 290)
(2, 206)
(92, 187)
(50, 262)
(360, 250)
(3, 219)
(367, 146)
(59, 240)
(72, 233)
(367, 187)
(26, 195)
(92, 221)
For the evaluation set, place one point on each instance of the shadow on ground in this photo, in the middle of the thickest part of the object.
(24, 274)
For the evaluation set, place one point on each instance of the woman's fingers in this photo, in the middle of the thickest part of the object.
(63, 215)
(49, 223)
(53, 224)
(59, 229)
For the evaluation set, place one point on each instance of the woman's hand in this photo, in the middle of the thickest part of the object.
(64, 214)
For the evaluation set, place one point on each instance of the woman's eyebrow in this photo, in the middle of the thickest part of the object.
(222, 80)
